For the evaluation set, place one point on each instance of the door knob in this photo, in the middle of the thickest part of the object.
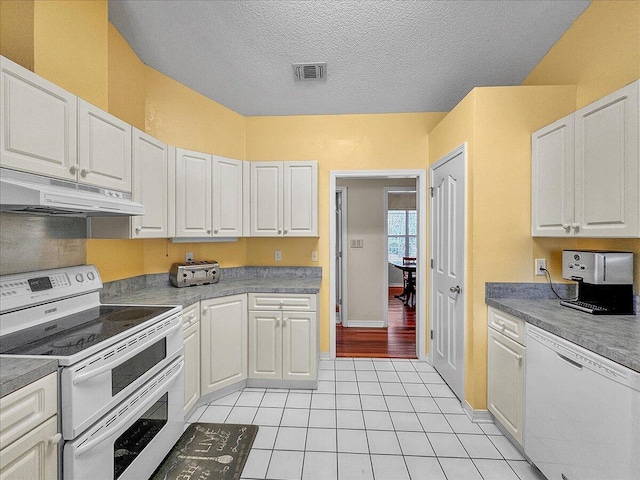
(455, 289)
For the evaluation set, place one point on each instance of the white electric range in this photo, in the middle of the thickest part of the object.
(121, 369)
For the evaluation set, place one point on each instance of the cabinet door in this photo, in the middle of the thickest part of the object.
(265, 345)
(191, 366)
(266, 199)
(104, 148)
(607, 166)
(505, 382)
(227, 197)
(38, 124)
(150, 186)
(33, 456)
(223, 342)
(552, 173)
(299, 349)
(193, 194)
(300, 199)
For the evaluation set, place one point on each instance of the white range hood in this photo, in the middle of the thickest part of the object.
(27, 193)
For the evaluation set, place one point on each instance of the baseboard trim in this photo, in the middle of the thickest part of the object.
(365, 324)
(290, 384)
(325, 356)
(477, 416)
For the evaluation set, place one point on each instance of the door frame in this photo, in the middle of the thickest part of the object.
(461, 149)
(420, 175)
(343, 308)
(387, 191)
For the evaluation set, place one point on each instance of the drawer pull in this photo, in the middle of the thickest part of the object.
(55, 439)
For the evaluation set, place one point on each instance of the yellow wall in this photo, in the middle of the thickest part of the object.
(126, 81)
(179, 116)
(337, 142)
(71, 47)
(16, 31)
(599, 54)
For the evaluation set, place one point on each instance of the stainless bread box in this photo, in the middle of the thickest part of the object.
(196, 272)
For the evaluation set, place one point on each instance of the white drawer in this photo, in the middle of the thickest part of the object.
(280, 301)
(25, 409)
(190, 315)
(508, 325)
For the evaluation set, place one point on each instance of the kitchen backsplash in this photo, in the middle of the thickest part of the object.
(35, 242)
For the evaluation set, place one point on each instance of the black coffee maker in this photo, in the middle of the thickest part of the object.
(605, 281)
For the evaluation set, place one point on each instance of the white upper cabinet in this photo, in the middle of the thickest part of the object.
(38, 124)
(608, 166)
(227, 196)
(193, 194)
(586, 171)
(150, 186)
(104, 146)
(553, 190)
(300, 199)
(266, 199)
(284, 199)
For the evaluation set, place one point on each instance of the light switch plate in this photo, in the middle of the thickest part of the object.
(356, 243)
(278, 255)
(314, 256)
(188, 257)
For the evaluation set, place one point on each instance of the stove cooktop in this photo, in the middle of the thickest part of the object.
(70, 335)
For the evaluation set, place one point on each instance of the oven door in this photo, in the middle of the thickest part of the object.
(131, 440)
(92, 387)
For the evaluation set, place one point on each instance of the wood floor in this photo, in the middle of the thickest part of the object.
(396, 341)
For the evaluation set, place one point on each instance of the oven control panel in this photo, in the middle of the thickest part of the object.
(23, 289)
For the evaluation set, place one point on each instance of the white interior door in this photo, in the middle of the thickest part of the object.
(447, 281)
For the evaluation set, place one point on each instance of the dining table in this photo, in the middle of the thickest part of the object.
(408, 295)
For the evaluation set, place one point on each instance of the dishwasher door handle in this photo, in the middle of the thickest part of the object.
(573, 363)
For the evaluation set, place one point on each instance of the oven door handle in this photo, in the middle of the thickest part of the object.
(83, 377)
(119, 426)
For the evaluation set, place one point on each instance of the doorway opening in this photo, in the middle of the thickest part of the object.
(372, 276)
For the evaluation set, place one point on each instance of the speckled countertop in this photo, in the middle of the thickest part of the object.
(169, 295)
(616, 337)
(16, 373)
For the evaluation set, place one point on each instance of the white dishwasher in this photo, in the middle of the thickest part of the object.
(582, 412)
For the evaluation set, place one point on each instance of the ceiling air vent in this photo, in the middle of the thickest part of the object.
(310, 71)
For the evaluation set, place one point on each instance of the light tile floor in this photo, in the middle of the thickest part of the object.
(379, 419)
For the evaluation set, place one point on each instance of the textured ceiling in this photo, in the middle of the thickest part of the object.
(382, 56)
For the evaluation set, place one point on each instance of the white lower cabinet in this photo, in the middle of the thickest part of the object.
(223, 342)
(29, 432)
(191, 338)
(283, 337)
(505, 371)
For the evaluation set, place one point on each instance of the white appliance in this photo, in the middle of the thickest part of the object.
(121, 376)
(582, 412)
(22, 192)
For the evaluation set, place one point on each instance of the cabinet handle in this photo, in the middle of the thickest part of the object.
(84, 172)
(566, 226)
(279, 231)
(215, 230)
(208, 230)
(519, 357)
(277, 322)
(285, 231)
(284, 321)
(575, 226)
(502, 325)
(74, 168)
(138, 229)
(55, 439)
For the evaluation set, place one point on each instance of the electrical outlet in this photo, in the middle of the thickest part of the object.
(278, 255)
(188, 257)
(314, 256)
(541, 266)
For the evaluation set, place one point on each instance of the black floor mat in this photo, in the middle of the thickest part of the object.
(215, 451)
